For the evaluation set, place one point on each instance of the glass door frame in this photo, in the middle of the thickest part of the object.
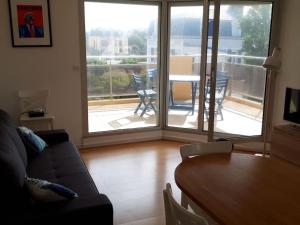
(204, 42)
(273, 41)
(159, 120)
(213, 70)
(268, 86)
(163, 63)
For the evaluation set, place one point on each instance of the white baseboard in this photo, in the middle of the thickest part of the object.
(98, 141)
(183, 137)
(115, 139)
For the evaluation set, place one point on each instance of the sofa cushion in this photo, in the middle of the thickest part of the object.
(62, 164)
(53, 137)
(7, 124)
(33, 143)
(45, 191)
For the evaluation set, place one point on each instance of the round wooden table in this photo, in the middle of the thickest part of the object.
(241, 189)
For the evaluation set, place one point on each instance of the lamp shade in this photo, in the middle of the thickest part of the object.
(273, 62)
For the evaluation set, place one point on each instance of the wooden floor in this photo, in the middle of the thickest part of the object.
(133, 177)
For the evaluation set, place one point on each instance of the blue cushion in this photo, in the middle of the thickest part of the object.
(45, 191)
(36, 142)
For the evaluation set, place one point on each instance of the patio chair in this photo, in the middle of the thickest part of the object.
(152, 73)
(221, 89)
(146, 96)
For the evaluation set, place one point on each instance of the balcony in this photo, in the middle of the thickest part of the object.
(112, 98)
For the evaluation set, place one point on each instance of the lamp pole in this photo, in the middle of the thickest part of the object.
(272, 64)
(267, 97)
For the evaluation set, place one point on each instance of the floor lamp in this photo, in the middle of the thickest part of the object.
(272, 64)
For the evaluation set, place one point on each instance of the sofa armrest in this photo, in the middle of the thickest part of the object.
(52, 137)
(87, 210)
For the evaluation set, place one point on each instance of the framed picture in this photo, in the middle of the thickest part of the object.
(30, 23)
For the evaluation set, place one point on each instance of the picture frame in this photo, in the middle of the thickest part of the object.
(30, 23)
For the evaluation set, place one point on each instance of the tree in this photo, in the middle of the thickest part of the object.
(255, 27)
(137, 42)
(235, 11)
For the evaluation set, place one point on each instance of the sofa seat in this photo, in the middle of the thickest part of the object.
(57, 164)
(61, 164)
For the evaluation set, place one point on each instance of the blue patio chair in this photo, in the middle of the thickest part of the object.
(221, 89)
(147, 96)
(152, 73)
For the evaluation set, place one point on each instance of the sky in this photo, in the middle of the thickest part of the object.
(118, 16)
(129, 16)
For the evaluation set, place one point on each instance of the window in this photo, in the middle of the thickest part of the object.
(117, 40)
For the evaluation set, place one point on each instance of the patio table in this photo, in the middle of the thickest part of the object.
(194, 80)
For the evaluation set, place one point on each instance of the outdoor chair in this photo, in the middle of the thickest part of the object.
(152, 73)
(147, 96)
(221, 89)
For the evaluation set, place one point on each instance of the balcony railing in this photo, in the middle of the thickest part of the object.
(110, 76)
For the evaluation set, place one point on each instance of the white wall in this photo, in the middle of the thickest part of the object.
(56, 68)
(290, 45)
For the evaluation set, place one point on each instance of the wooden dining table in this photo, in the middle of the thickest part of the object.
(242, 189)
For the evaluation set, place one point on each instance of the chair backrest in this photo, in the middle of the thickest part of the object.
(190, 150)
(139, 83)
(221, 84)
(33, 99)
(152, 72)
(176, 214)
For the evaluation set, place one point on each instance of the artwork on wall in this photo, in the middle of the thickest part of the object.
(30, 23)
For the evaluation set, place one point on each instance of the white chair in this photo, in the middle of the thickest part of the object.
(35, 100)
(200, 149)
(190, 150)
(176, 214)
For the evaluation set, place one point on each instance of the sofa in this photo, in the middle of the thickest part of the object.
(59, 163)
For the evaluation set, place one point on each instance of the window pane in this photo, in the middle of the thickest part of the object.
(240, 83)
(184, 66)
(121, 41)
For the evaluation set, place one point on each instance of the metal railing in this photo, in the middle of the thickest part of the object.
(110, 76)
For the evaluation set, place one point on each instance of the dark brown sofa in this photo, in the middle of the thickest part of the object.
(59, 163)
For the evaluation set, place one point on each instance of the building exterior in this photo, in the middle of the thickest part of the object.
(109, 43)
(186, 34)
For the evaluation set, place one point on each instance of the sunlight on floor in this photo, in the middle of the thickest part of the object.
(238, 118)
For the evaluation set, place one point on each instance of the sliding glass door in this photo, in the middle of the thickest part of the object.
(243, 39)
(208, 62)
(122, 65)
(184, 64)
